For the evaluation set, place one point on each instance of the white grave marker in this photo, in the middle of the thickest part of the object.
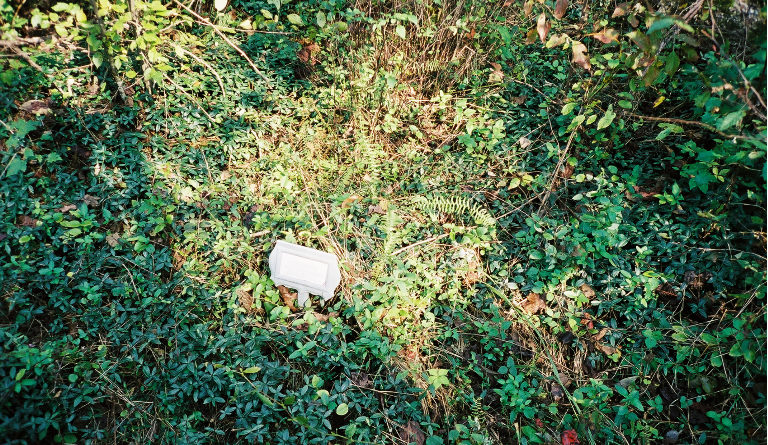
(307, 270)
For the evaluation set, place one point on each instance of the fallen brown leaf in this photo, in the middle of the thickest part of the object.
(599, 336)
(360, 379)
(530, 38)
(245, 299)
(349, 201)
(580, 56)
(27, 221)
(288, 298)
(587, 290)
(91, 201)
(324, 317)
(561, 6)
(36, 107)
(557, 40)
(567, 171)
(621, 10)
(606, 36)
(518, 100)
(66, 208)
(557, 392)
(378, 209)
(496, 75)
(605, 349)
(527, 8)
(113, 239)
(533, 304)
(542, 27)
(411, 433)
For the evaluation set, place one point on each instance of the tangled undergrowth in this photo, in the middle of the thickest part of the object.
(549, 216)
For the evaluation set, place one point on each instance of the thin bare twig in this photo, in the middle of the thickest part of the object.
(687, 122)
(428, 240)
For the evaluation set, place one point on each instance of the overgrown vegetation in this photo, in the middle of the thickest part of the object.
(550, 219)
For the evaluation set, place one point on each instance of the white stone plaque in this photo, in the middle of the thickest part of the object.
(309, 271)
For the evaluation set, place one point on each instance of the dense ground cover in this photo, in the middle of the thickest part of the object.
(550, 219)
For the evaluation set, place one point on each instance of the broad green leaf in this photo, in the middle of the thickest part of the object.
(400, 31)
(61, 30)
(434, 440)
(627, 105)
(342, 409)
(264, 399)
(607, 118)
(295, 19)
(662, 23)
(320, 18)
(567, 108)
(251, 370)
(673, 62)
(668, 128)
(61, 7)
(730, 120)
(577, 120)
(17, 165)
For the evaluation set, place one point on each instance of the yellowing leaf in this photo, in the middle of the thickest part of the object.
(606, 36)
(542, 27)
(350, 200)
(659, 101)
(621, 10)
(557, 40)
(530, 38)
(251, 370)
(580, 56)
(640, 39)
(528, 7)
(560, 7)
